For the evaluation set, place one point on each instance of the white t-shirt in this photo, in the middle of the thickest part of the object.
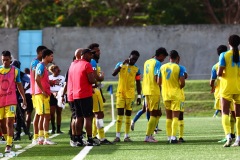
(25, 86)
(61, 79)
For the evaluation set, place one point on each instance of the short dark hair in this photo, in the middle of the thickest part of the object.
(93, 45)
(221, 48)
(160, 51)
(174, 54)
(46, 52)
(134, 52)
(6, 53)
(40, 48)
(27, 70)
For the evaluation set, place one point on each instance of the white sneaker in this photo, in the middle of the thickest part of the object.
(40, 140)
(34, 141)
(150, 140)
(48, 142)
(236, 144)
(73, 144)
(132, 126)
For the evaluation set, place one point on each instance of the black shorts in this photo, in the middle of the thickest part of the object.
(84, 107)
(53, 100)
(29, 108)
(72, 108)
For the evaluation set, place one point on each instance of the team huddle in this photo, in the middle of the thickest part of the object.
(82, 85)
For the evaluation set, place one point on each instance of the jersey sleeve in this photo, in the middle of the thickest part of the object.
(182, 71)
(213, 73)
(40, 69)
(17, 75)
(118, 64)
(157, 68)
(222, 61)
(34, 64)
(94, 64)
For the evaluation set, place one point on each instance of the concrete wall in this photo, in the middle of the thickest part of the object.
(9, 41)
(196, 44)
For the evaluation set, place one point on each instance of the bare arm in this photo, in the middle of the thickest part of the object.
(220, 71)
(21, 91)
(182, 82)
(212, 81)
(38, 81)
(91, 78)
(139, 89)
(98, 77)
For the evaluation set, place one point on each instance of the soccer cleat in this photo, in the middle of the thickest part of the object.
(236, 144)
(117, 139)
(224, 140)
(48, 142)
(40, 140)
(132, 126)
(59, 132)
(181, 140)
(92, 143)
(8, 149)
(173, 141)
(105, 142)
(34, 141)
(96, 140)
(228, 143)
(233, 135)
(150, 139)
(127, 139)
(17, 138)
(73, 144)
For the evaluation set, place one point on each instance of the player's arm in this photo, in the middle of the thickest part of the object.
(139, 88)
(213, 78)
(119, 66)
(222, 65)
(38, 77)
(20, 87)
(182, 77)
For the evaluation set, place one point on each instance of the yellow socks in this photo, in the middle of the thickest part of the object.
(35, 136)
(174, 126)
(181, 128)
(127, 124)
(151, 125)
(94, 128)
(46, 135)
(226, 124)
(238, 126)
(101, 133)
(169, 127)
(41, 133)
(119, 123)
(9, 140)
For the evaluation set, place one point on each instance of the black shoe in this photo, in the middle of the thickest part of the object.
(181, 140)
(174, 141)
(59, 132)
(3, 139)
(92, 144)
(17, 138)
(232, 135)
(53, 132)
(96, 140)
(106, 142)
(30, 136)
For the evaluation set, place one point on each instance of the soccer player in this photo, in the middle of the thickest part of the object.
(230, 87)
(151, 90)
(128, 73)
(42, 95)
(173, 80)
(79, 88)
(36, 123)
(9, 79)
(215, 88)
(98, 110)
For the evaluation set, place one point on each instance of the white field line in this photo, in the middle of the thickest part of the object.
(26, 148)
(83, 153)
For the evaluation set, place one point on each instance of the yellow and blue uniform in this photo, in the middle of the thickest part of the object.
(182, 99)
(126, 85)
(151, 91)
(9, 111)
(171, 91)
(230, 87)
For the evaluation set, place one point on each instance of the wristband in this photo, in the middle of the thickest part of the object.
(139, 96)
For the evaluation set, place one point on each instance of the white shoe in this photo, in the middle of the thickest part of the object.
(73, 144)
(48, 142)
(132, 126)
(34, 141)
(236, 144)
(40, 140)
(150, 140)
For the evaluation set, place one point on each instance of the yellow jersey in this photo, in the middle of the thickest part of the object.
(149, 84)
(170, 74)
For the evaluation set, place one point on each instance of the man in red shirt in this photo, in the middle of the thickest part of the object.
(79, 86)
